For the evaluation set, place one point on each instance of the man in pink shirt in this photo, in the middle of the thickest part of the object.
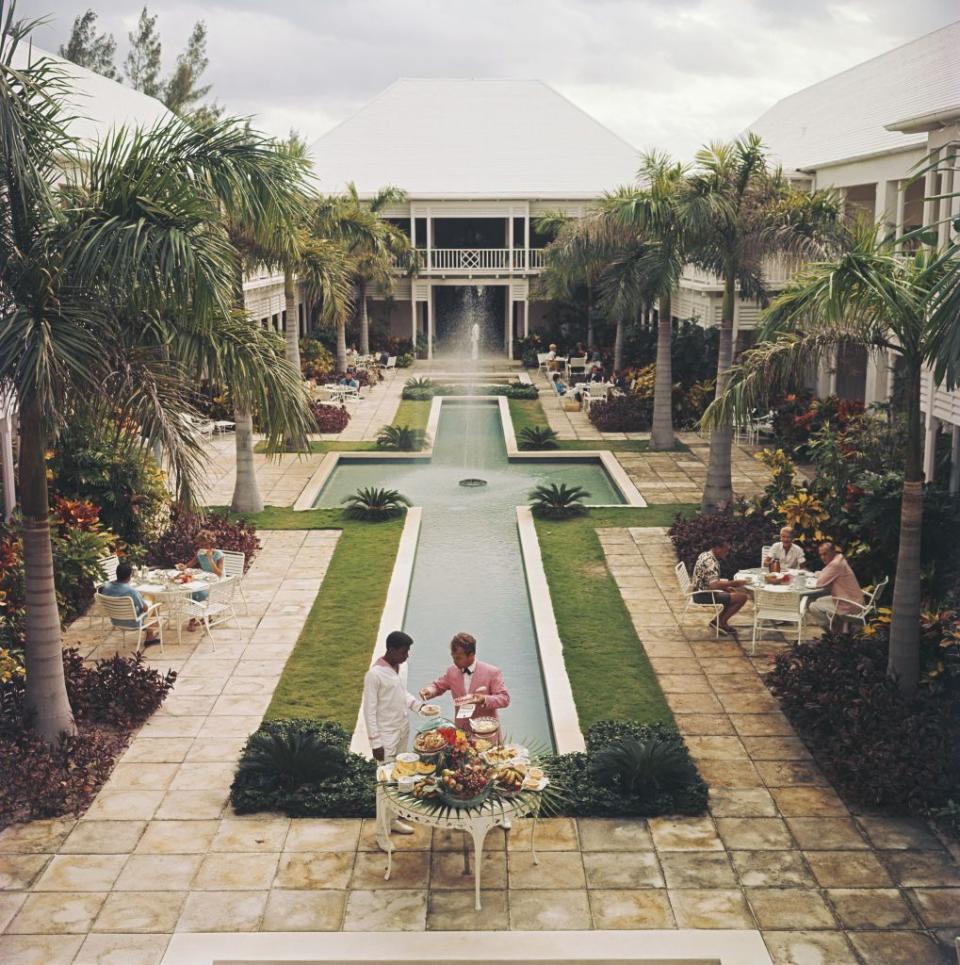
(837, 577)
(470, 682)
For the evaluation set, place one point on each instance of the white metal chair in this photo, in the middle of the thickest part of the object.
(864, 611)
(576, 363)
(764, 553)
(683, 579)
(391, 362)
(542, 359)
(120, 610)
(217, 608)
(203, 427)
(234, 564)
(777, 606)
(108, 567)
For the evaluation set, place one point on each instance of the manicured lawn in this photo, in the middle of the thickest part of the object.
(413, 414)
(529, 412)
(609, 672)
(324, 675)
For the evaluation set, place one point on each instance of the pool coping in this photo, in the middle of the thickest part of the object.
(614, 947)
(618, 475)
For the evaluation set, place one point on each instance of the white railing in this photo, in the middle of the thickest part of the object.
(469, 260)
(776, 273)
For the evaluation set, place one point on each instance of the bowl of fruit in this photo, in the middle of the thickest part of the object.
(466, 786)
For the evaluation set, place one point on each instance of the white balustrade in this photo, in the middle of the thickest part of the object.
(470, 260)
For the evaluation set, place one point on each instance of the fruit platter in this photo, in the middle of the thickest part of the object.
(462, 771)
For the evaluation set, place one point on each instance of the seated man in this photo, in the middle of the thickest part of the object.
(559, 386)
(121, 587)
(785, 554)
(350, 381)
(708, 586)
(552, 364)
(837, 577)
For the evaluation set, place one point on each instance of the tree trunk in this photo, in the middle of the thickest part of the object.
(719, 486)
(364, 320)
(246, 491)
(661, 436)
(590, 344)
(341, 345)
(904, 658)
(292, 328)
(46, 696)
(618, 346)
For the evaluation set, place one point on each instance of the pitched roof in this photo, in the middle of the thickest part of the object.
(438, 138)
(843, 117)
(97, 103)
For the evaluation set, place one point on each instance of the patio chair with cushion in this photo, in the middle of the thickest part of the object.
(217, 608)
(864, 611)
(122, 613)
(686, 588)
(234, 564)
(778, 606)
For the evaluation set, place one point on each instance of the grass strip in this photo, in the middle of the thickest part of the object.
(323, 677)
(529, 412)
(608, 668)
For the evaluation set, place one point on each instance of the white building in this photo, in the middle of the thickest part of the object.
(865, 132)
(479, 160)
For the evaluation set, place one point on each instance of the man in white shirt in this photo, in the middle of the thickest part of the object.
(786, 553)
(385, 705)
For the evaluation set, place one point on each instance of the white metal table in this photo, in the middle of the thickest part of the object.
(172, 596)
(798, 582)
(475, 822)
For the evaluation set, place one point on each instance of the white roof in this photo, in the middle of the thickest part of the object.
(96, 103)
(442, 138)
(843, 117)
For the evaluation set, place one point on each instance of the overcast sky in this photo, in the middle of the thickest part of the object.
(662, 73)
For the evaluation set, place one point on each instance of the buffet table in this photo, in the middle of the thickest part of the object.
(474, 821)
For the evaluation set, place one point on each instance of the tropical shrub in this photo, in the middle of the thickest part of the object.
(179, 542)
(375, 505)
(623, 413)
(520, 390)
(537, 437)
(693, 535)
(406, 360)
(403, 438)
(558, 501)
(109, 467)
(329, 418)
(526, 350)
(799, 415)
(609, 781)
(317, 362)
(303, 768)
(424, 389)
(109, 700)
(879, 748)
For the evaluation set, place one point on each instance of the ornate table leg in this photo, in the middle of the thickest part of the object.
(479, 833)
(383, 829)
(533, 836)
(466, 853)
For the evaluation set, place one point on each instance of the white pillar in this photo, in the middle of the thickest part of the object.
(955, 462)
(6, 465)
(827, 376)
(429, 322)
(508, 325)
(526, 318)
(510, 241)
(930, 206)
(947, 187)
(885, 206)
(901, 205)
(930, 447)
(877, 386)
(429, 240)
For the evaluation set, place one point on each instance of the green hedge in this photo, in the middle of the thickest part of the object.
(514, 390)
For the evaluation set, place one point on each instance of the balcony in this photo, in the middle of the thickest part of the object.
(476, 261)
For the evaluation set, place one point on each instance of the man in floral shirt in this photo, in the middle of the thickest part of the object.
(708, 586)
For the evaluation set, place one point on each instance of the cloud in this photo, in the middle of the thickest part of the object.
(665, 73)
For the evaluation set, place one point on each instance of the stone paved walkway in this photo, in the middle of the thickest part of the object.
(825, 882)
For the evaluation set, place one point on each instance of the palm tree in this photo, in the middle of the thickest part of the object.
(109, 257)
(264, 227)
(756, 215)
(879, 296)
(665, 215)
(371, 244)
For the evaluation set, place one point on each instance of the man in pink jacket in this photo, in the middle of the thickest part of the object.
(470, 682)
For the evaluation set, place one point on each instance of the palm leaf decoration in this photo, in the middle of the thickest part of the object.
(538, 437)
(402, 438)
(375, 505)
(423, 383)
(642, 768)
(292, 758)
(558, 501)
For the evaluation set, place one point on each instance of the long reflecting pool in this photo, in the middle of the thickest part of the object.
(468, 573)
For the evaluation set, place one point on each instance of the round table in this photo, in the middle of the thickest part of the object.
(797, 584)
(170, 595)
(475, 822)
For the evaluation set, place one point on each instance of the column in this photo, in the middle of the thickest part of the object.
(947, 187)
(429, 321)
(930, 205)
(526, 318)
(508, 325)
(413, 319)
(930, 446)
(901, 203)
(429, 240)
(827, 376)
(955, 461)
(877, 387)
(886, 205)
(6, 464)
(510, 241)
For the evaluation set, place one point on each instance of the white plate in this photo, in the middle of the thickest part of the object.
(520, 753)
(540, 785)
(408, 758)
